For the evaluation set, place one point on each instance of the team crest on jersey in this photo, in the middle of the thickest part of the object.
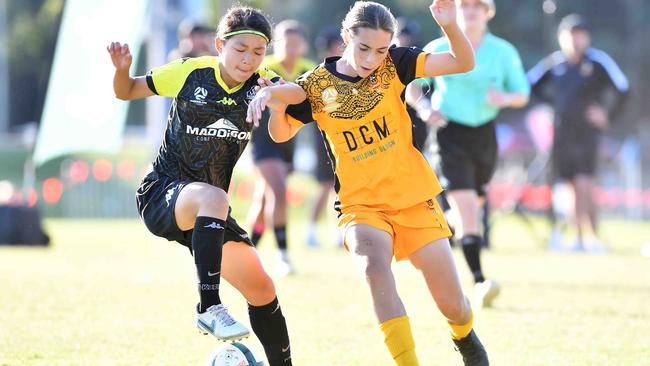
(200, 93)
(250, 94)
(222, 128)
(329, 97)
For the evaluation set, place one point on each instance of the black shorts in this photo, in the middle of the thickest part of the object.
(571, 160)
(323, 171)
(420, 130)
(156, 200)
(468, 156)
(263, 147)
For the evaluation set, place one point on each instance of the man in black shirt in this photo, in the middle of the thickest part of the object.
(575, 81)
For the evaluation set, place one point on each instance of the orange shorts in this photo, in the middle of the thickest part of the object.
(411, 228)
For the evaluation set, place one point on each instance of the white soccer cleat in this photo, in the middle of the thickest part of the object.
(556, 241)
(283, 266)
(485, 292)
(216, 321)
(312, 239)
(595, 246)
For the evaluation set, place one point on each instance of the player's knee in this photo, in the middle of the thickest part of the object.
(455, 309)
(375, 270)
(279, 195)
(214, 199)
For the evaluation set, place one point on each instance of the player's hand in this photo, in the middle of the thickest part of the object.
(597, 116)
(120, 56)
(272, 104)
(432, 117)
(497, 98)
(257, 106)
(444, 12)
(265, 82)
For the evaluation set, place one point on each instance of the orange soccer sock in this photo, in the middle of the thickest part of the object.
(399, 340)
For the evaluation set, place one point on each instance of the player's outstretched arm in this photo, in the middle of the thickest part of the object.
(280, 93)
(276, 97)
(126, 87)
(460, 58)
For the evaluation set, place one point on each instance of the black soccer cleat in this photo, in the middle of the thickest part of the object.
(472, 350)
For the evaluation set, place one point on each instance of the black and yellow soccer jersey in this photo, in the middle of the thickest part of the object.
(368, 133)
(207, 129)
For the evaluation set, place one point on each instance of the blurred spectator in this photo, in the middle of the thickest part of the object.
(576, 81)
(194, 40)
(328, 44)
(272, 160)
(466, 106)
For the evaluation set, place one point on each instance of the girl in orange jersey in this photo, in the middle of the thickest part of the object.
(386, 190)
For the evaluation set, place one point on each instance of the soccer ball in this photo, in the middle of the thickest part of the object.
(234, 354)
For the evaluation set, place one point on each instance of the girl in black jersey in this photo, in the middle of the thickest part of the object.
(184, 197)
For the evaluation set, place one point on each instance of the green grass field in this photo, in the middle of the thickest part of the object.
(110, 293)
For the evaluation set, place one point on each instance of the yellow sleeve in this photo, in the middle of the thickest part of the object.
(168, 80)
(266, 73)
(419, 65)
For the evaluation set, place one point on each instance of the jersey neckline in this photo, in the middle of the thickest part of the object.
(222, 83)
(330, 65)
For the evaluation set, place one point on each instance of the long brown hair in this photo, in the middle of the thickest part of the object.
(369, 14)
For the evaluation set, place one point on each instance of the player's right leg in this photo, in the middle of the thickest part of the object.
(372, 250)
(203, 208)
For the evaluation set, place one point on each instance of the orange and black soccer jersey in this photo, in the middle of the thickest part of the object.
(368, 133)
(206, 131)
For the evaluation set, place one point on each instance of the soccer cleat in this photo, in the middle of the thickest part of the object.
(556, 241)
(216, 321)
(472, 350)
(283, 267)
(485, 292)
(312, 239)
(595, 246)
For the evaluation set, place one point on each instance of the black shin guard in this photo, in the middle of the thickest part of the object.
(207, 245)
(270, 327)
(471, 245)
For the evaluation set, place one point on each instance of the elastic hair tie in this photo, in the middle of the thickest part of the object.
(246, 31)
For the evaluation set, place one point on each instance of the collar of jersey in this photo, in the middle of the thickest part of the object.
(330, 65)
(222, 84)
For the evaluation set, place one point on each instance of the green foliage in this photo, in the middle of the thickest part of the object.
(33, 29)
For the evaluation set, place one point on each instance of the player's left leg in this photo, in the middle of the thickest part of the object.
(242, 268)
(585, 212)
(274, 171)
(466, 203)
(436, 263)
(255, 216)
